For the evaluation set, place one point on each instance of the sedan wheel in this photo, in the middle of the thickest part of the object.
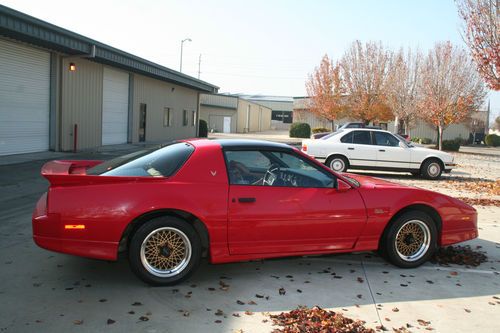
(337, 163)
(164, 251)
(432, 169)
(410, 240)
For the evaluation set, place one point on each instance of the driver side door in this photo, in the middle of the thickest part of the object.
(287, 216)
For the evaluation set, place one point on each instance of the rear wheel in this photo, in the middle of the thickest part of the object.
(410, 240)
(432, 169)
(337, 163)
(164, 251)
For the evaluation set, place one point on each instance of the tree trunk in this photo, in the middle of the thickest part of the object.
(396, 125)
(333, 125)
(440, 130)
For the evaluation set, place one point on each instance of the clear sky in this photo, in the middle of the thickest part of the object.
(254, 46)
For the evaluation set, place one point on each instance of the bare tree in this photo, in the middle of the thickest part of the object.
(364, 69)
(324, 87)
(482, 34)
(403, 88)
(451, 87)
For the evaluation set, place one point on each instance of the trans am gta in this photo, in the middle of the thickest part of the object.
(235, 200)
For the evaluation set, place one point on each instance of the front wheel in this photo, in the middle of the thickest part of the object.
(164, 251)
(411, 240)
(431, 169)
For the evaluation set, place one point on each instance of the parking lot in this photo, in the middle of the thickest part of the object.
(49, 292)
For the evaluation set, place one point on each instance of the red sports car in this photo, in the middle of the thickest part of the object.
(234, 200)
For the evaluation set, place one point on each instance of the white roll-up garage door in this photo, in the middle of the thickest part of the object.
(114, 107)
(24, 98)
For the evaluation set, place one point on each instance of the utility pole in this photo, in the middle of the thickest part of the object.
(199, 66)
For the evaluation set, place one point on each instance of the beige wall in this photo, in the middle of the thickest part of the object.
(207, 111)
(157, 95)
(259, 118)
(81, 104)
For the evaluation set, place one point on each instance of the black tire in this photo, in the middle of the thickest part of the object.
(405, 252)
(337, 160)
(432, 169)
(148, 255)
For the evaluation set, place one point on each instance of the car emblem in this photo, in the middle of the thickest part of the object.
(213, 172)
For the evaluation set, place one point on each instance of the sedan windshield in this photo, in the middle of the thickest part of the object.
(161, 161)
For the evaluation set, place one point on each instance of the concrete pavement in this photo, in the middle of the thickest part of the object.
(49, 292)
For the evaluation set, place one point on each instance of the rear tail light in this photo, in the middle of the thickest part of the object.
(304, 147)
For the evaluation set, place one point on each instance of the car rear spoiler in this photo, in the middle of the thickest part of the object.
(69, 171)
(73, 172)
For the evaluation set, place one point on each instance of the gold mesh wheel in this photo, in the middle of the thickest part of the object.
(166, 252)
(413, 240)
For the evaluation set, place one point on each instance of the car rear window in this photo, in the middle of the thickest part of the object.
(158, 162)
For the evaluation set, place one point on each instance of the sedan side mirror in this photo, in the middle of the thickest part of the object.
(402, 145)
(342, 186)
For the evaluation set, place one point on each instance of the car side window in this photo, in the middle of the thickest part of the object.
(347, 138)
(361, 138)
(385, 139)
(275, 168)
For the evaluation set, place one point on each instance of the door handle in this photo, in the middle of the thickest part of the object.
(246, 200)
(381, 150)
(350, 148)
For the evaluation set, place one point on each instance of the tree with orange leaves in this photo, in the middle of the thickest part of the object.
(325, 91)
(364, 70)
(402, 88)
(451, 87)
(482, 35)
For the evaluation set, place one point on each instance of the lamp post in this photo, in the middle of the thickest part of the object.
(182, 45)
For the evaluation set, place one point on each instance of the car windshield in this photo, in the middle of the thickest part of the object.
(326, 137)
(161, 161)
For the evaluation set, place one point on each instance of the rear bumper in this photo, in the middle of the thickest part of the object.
(49, 234)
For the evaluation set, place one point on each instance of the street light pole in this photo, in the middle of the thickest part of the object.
(182, 46)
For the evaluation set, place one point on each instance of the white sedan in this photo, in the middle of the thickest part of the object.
(372, 149)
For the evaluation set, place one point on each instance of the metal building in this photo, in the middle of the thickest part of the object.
(232, 114)
(60, 91)
(281, 106)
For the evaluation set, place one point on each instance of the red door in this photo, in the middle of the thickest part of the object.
(271, 219)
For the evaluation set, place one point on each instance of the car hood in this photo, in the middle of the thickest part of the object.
(367, 181)
(443, 155)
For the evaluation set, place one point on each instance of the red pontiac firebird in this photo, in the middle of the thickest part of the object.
(234, 200)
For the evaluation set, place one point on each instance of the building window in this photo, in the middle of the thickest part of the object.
(193, 118)
(185, 120)
(167, 117)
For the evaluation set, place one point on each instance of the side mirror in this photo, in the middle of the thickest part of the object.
(402, 145)
(342, 186)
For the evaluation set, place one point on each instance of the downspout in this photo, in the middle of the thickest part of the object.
(247, 127)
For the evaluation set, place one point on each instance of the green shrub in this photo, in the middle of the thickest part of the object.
(452, 145)
(415, 139)
(203, 129)
(492, 140)
(320, 130)
(423, 141)
(300, 130)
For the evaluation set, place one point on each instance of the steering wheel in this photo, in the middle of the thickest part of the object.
(271, 175)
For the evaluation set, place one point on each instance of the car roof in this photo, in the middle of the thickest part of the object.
(364, 129)
(245, 144)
